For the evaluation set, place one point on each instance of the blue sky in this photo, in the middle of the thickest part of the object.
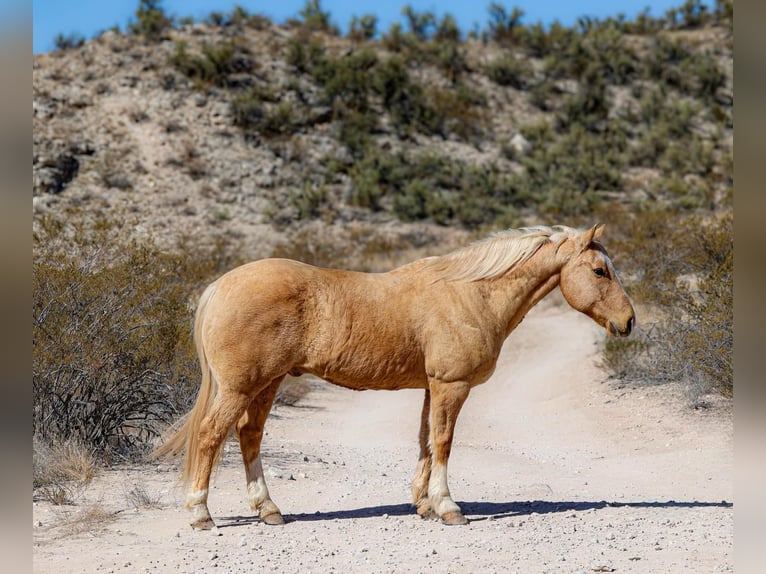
(88, 17)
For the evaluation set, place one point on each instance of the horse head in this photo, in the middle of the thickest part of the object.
(590, 283)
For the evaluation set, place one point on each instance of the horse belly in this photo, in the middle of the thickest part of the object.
(372, 368)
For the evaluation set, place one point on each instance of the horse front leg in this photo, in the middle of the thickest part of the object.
(447, 398)
(250, 432)
(423, 472)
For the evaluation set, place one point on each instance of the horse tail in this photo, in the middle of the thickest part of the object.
(186, 437)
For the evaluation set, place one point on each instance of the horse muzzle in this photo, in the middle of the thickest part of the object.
(613, 329)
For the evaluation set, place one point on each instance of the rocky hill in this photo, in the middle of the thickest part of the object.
(292, 139)
(166, 154)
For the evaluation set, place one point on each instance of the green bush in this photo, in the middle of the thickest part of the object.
(562, 177)
(420, 23)
(508, 70)
(590, 105)
(212, 67)
(253, 112)
(410, 203)
(503, 27)
(308, 200)
(450, 59)
(458, 111)
(348, 80)
(314, 18)
(68, 42)
(152, 20)
(404, 100)
(363, 28)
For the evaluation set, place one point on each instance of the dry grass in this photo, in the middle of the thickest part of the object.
(91, 518)
(680, 273)
(291, 391)
(61, 471)
(138, 496)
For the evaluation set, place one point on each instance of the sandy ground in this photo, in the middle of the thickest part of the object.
(557, 470)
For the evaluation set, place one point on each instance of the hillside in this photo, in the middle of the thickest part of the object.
(170, 152)
(262, 135)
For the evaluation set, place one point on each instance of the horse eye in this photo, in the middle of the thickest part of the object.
(599, 271)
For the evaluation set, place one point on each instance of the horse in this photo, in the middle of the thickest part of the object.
(437, 323)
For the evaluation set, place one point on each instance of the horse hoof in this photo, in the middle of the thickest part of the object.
(454, 518)
(204, 524)
(274, 519)
(428, 514)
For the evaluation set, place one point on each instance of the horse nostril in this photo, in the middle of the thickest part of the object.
(629, 328)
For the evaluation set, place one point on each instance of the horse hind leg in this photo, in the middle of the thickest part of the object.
(250, 432)
(227, 407)
(423, 472)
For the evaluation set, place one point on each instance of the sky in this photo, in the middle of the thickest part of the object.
(89, 17)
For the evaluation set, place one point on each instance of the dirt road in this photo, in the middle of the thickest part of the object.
(556, 469)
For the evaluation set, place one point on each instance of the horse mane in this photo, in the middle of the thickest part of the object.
(496, 254)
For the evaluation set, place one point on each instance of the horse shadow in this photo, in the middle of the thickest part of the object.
(477, 511)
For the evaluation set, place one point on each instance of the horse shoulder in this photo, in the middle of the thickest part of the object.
(461, 338)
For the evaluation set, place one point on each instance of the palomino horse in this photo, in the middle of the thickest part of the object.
(436, 324)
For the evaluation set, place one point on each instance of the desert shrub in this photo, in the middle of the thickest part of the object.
(355, 130)
(436, 187)
(590, 105)
(457, 111)
(694, 13)
(598, 52)
(420, 24)
(410, 203)
(314, 18)
(152, 22)
(395, 40)
(447, 30)
(618, 62)
(308, 200)
(672, 115)
(316, 245)
(508, 70)
(541, 95)
(705, 76)
(420, 200)
(139, 497)
(304, 52)
(674, 64)
(562, 178)
(363, 28)
(213, 66)
(62, 42)
(404, 100)
(693, 156)
(366, 189)
(61, 471)
(724, 11)
(254, 111)
(502, 25)
(112, 356)
(681, 271)
(450, 59)
(535, 40)
(348, 79)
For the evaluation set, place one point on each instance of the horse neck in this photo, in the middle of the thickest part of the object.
(515, 293)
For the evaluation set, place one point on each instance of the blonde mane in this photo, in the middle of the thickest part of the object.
(497, 254)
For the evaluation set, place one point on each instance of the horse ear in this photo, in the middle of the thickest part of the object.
(598, 230)
(588, 236)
